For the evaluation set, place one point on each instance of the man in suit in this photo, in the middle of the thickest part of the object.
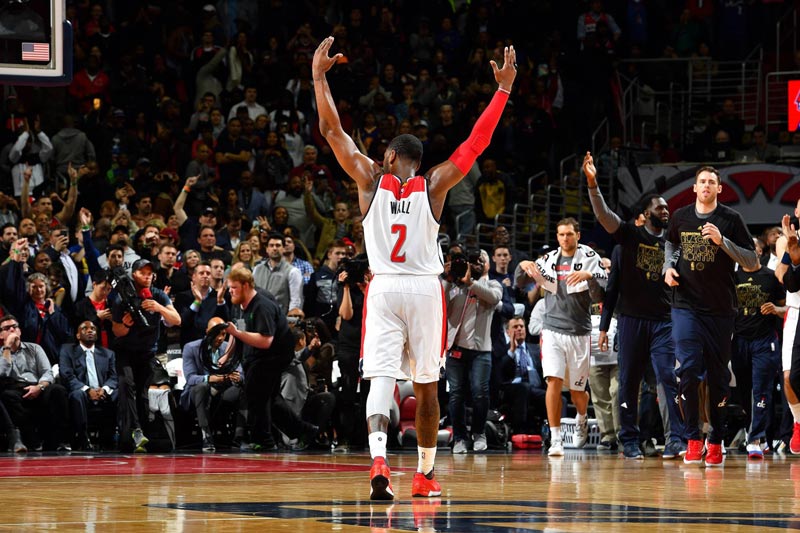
(197, 305)
(523, 385)
(91, 374)
(203, 386)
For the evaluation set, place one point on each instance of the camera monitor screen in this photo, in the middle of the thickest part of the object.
(35, 42)
(794, 105)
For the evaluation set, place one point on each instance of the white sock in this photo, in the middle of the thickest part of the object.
(579, 418)
(377, 444)
(555, 434)
(426, 458)
(795, 408)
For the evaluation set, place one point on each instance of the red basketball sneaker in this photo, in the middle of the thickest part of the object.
(422, 486)
(794, 444)
(380, 482)
(714, 455)
(694, 452)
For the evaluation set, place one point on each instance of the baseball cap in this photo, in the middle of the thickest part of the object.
(142, 161)
(209, 212)
(118, 113)
(140, 264)
(423, 123)
(169, 233)
(209, 8)
(121, 227)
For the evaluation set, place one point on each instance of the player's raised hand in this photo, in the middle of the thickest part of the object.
(322, 63)
(503, 76)
(589, 170)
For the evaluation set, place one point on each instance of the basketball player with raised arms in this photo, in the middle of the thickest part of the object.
(404, 314)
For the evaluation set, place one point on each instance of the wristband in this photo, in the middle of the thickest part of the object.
(500, 89)
(87, 227)
(196, 302)
(786, 259)
(186, 188)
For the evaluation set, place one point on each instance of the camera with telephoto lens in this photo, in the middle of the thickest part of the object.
(459, 262)
(356, 268)
(127, 292)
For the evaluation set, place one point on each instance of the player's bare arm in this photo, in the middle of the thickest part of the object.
(445, 175)
(357, 165)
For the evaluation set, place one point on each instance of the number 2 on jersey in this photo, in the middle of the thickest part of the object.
(398, 256)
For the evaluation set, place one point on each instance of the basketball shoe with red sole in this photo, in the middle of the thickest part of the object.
(422, 486)
(714, 455)
(380, 482)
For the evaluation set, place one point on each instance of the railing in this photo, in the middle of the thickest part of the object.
(775, 88)
(697, 84)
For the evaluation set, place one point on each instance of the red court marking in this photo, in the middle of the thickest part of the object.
(152, 464)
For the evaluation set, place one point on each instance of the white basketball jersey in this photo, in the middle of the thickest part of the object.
(400, 231)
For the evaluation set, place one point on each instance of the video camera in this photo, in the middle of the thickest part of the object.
(356, 268)
(459, 262)
(123, 284)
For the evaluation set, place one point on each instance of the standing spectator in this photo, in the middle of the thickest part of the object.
(198, 305)
(292, 200)
(704, 305)
(330, 229)
(89, 370)
(644, 325)
(42, 321)
(305, 268)
(96, 307)
(275, 275)
(253, 202)
(233, 153)
(588, 23)
(90, 87)
(207, 239)
(200, 169)
(135, 346)
(229, 237)
(571, 276)
(70, 145)
(189, 226)
(254, 109)
(470, 301)
(32, 149)
(166, 274)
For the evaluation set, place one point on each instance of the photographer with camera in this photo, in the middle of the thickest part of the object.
(320, 291)
(136, 335)
(304, 384)
(353, 279)
(471, 298)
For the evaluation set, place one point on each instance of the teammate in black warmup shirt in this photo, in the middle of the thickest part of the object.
(644, 326)
(756, 355)
(704, 241)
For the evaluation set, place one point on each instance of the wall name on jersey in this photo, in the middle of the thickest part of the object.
(400, 207)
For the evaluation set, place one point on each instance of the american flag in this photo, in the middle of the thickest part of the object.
(35, 51)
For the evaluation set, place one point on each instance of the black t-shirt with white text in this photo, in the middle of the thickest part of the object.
(642, 291)
(707, 281)
(754, 289)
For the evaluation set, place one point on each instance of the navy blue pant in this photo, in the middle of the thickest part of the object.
(639, 338)
(756, 364)
(470, 372)
(702, 345)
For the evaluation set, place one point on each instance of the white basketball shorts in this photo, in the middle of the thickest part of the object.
(566, 357)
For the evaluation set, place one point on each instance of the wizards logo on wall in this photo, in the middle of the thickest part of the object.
(485, 516)
(761, 192)
(793, 105)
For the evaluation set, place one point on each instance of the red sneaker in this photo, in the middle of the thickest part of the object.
(794, 444)
(694, 452)
(714, 455)
(380, 482)
(422, 486)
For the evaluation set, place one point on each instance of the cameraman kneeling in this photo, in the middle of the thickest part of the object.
(137, 314)
(471, 300)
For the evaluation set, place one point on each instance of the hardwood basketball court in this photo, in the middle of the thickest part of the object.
(585, 491)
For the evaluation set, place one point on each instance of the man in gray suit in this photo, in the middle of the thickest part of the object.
(91, 375)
